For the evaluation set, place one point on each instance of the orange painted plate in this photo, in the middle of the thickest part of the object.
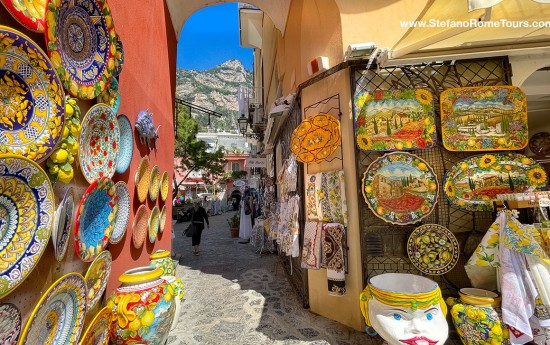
(316, 138)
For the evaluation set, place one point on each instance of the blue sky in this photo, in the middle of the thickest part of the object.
(211, 37)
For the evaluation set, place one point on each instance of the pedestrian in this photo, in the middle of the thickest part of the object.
(198, 219)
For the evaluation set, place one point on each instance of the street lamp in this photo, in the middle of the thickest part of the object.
(243, 124)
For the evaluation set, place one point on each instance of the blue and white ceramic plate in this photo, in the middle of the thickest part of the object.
(121, 221)
(10, 324)
(126, 144)
(63, 224)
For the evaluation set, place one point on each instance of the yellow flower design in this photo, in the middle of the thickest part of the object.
(536, 175)
(450, 189)
(486, 161)
(364, 141)
(424, 96)
(493, 239)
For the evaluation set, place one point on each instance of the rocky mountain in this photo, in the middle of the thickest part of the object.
(215, 89)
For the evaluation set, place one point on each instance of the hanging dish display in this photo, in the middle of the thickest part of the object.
(99, 143)
(394, 120)
(164, 186)
(126, 144)
(119, 57)
(472, 183)
(539, 144)
(316, 138)
(153, 224)
(400, 188)
(10, 324)
(97, 277)
(123, 213)
(154, 183)
(33, 104)
(433, 249)
(26, 218)
(63, 224)
(140, 226)
(484, 118)
(142, 179)
(95, 219)
(59, 316)
(81, 40)
(97, 332)
(162, 219)
(110, 95)
(30, 14)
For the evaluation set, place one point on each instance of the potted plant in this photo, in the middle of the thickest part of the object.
(234, 223)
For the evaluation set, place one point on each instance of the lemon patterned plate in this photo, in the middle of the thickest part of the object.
(121, 221)
(142, 179)
(63, 224)
(58, 318)
(10, 324)
(31, 14)
(433, 249)
(26, 218)
(110, 95)
(140, 227)
(164, 186)
(97, 277)
(153, 224)
(154, 183)
(32, 102)
(162, 219)
(97, 332)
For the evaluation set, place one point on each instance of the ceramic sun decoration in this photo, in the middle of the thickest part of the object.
(414, 314)
(146, 129)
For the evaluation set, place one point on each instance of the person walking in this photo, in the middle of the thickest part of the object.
(198, 219)
(245, 227)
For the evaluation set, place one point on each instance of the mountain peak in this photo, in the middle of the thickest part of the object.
(233, 64)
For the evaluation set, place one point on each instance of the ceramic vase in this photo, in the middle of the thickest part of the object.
(161, 259)
(177, 285)
(143, 307)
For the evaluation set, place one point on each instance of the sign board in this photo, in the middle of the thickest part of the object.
(255, 162)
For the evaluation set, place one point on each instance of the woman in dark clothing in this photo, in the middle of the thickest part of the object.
(198, 218)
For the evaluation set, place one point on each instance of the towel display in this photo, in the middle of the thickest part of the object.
(311, 252)
(333, 255)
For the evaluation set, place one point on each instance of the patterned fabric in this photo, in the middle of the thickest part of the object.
(482, 266)
(518, 237)
(289, 238)
(291, 173)
(311, 252)
(336, 193)
(311, 198)
(333, 253)
(326, 197)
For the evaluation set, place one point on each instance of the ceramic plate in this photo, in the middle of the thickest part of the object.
(140, 226)
(153, 224)
(121, 221)
(433, 249)
(33, 103)
(97, 277)
(10, 324)
(474, 182)
(31, 14)
(110, 95)
(99, 143)
(81, 42)
(316, 138)
(63, 224)
(26, 218)
(119, 56)
(484, 118)
(95, 219)
(400, 188)
(162, 219)
(539, 144)
(59, 316)
(164, 186)
(142, 179)
(97, 332)
(126, 144)
(154, 184)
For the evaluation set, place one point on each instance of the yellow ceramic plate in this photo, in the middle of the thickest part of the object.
(97, 277)
(154, 183)
(162, 219)
(316, 138)
(164, 186)
(97, 332)
(142, 179)
(140, 226)
(153, 225)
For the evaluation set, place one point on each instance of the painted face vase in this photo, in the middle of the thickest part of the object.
(405, 309)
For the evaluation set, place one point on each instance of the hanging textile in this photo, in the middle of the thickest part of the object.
(326, 197)
(482, 266)
(333, 255)
(311, 252)
(291, 174)
(336, 193)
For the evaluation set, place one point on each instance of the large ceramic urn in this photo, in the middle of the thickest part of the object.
(143, 306)
(161, 258)
(178, 287)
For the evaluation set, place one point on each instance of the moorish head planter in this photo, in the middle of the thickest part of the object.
(405, 309)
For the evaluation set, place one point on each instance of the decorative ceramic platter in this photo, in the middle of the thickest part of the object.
(59, 316)
(153, 224)
(32, 100)
(154, 184)
(316, 138)
(97, 332)
(95, 219)
(121, 221)
(433, 249)
(97, 277)
(81, 40)
(140, 226)
(110, 95)
(142, 179)
(162, 219)
(474, 182)
(63, 224)
(484, 118)
(400, 188)
(164, 186)
(30, 14)
(26, 218)
(119, 56)
(99, 143)
(539, 144)
(394, 120)
(10, 324)
(126, 144)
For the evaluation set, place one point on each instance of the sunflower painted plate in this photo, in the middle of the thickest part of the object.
(154, 184)
(63, 224)
(316, 138)
(32, 100)
(10, 324)
(433, 249)
(142, 179)
(126, 144)
(81, 40)
(97, 332)
(30, 14)
(121, 221)
(162, 219)
(95, 219)
(164, 186)
(26, 218)
(400, 188)
(110, 95)
(119, 57)
(58, 317)
(140, 226)
(99, 143)
(474, 182)
(97, 277)
(153, 224)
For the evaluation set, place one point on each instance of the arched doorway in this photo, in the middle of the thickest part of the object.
(235, 199)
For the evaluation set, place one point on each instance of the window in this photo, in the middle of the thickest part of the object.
(235, 166)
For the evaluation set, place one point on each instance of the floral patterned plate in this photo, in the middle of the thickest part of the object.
(32, 117)
(121, 221)
(316, 138)
(433, 249)
(99, 143)
(154, 184)
(474, 182)
(63, 224)
(140, 226)
(119, 57)
(95, 219)
(110, 95)
(126, 144)
(162, 219)
(10, 324)
(31, 14)
(153, 224)
(142, 179)
(97, 277)
(81, 40)
(58, 317)
(164, 186)
(97, 332)
(26, 218)
(400, 188)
